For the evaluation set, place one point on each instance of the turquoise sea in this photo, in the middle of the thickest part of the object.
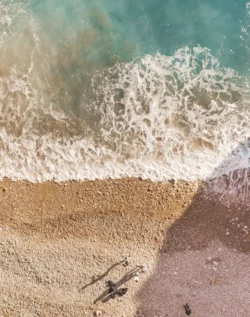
(96, 89)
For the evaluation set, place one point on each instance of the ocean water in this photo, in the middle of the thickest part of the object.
(151, 88)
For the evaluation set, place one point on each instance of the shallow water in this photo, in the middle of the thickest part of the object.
(157, 89)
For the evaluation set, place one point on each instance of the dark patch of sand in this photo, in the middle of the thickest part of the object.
(60, 243)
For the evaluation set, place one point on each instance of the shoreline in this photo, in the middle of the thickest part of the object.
(60, 243)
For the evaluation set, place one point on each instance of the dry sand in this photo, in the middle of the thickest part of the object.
(60, 243)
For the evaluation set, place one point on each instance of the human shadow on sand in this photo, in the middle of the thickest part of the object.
(204, 260)
(100, 277)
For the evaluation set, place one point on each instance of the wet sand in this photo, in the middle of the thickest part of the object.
(60, 243)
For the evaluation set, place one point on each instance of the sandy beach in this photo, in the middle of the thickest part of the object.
(60, 243)
(124, 158)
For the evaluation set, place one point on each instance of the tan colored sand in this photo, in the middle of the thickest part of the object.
(56, 238)
(59, 243)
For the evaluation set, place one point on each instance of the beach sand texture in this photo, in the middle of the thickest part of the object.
(60, 243)
(145, 105)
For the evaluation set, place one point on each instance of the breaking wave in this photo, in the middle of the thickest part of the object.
(65, 115)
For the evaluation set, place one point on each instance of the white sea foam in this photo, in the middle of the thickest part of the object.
(157, 117)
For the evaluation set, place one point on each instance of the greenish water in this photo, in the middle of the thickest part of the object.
(128, 28)
(152, 88)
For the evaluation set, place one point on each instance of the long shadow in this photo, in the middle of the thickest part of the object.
(100, 277)
(204, 260)
(107, 295)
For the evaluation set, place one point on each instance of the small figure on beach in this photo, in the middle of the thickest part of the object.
(120, 292)
(111, 285)
(187, 309)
